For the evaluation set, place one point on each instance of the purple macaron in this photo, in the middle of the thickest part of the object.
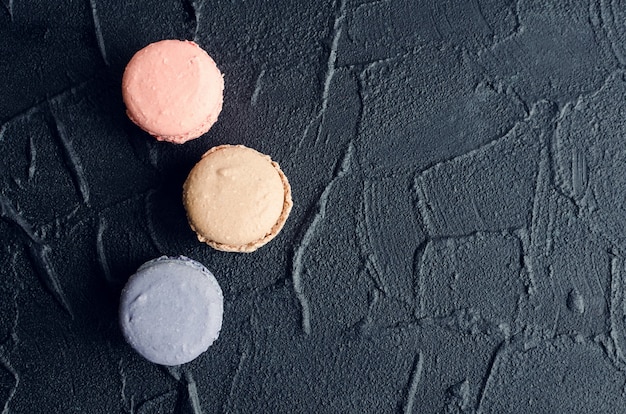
(171, 310)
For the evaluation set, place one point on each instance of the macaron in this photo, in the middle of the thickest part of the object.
(173, 90)
(171, 310)
(236, 198)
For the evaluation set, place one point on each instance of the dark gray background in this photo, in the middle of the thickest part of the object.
(458, 239)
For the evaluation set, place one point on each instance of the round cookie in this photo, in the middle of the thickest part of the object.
(171, 310)
(173, 90)
(236, 198)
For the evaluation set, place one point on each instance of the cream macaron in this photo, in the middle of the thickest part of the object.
(173, 90)
(236, 198)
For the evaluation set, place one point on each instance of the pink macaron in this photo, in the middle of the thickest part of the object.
(173, 90)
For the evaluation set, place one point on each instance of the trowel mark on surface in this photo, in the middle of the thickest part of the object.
(100, 249)
(71, 157)
(579, 174)
(257, 88)
(243, 358)
(331, 66)
(158, 404)
(539, 229)
(617, 307)
(479, 272)
(332, 54)
(192, 394)
(10, 214)
(554, 373)
(452, 194)
(48, 276)
(32, 157)
(373, 272)
(438, 113)
(569, 265)
(377, 29)
(390, 234)
(555, 40)
(4, 364)
(98, 31)
(8, 332)
(8, 5)
(419, 276)
(39, 252)
(416, 376)
(298, 270)
(129, 402)
(606, 17)
(590, 161)
(490, 373)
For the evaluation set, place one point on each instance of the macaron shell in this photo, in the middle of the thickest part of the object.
(236, 198)
(173, 90)
(171, 310)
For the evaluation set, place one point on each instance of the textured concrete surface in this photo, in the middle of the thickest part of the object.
(458, 240)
